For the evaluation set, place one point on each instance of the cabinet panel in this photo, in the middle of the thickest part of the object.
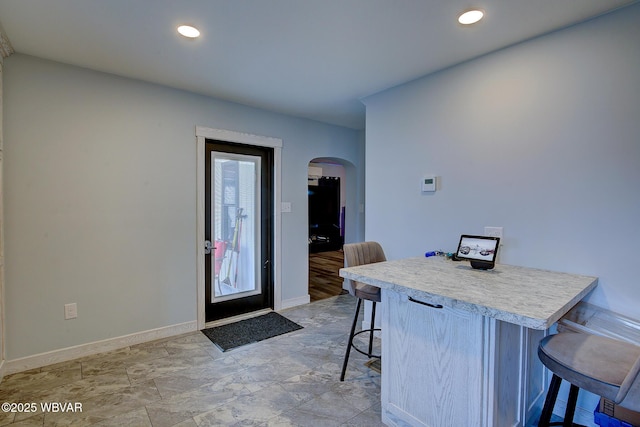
(433, 363)
(507, 377)
(535, 374)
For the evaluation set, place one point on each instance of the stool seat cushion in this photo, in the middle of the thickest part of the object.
(368, 292)
(593, 363)
(363, 253)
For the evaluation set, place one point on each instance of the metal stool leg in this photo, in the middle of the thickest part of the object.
(373, 322)
(350, 343)
(550, 401)
(571, 406)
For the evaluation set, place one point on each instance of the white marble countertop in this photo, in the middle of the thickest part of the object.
(524, 296)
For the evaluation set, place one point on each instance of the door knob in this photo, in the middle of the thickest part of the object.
(207, 247)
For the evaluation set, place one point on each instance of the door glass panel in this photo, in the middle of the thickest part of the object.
(235, 201)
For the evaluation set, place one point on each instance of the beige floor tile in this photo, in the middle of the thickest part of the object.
(185, 381)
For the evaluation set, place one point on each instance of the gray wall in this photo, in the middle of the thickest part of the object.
(542, 138)
(100, 200)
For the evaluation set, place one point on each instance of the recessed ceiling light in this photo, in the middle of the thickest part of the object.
(470, 17)
(189, 31)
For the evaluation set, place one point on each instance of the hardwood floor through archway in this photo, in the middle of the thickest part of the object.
(324, 281)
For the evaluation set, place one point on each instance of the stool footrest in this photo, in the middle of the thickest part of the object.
(353, 345)
(560, 423)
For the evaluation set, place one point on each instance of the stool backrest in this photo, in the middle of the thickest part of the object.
(629, 394)
(360, 254)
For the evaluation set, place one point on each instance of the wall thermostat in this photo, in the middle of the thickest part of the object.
(428, 183)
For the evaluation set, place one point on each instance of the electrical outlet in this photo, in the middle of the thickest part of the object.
(70, 311)
(493, 232)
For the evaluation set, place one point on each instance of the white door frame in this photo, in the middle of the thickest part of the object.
(203, 133)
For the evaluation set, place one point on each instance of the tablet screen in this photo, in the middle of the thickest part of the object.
(480, 248)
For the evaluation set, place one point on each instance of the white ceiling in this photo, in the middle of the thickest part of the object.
(308, 58)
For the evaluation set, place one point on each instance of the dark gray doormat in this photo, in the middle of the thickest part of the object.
(227, 337)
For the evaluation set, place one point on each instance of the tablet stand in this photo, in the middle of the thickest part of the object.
(482, 265)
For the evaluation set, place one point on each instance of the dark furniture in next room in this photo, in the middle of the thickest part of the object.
(325, 233)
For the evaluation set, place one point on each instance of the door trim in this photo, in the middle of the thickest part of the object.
(203, 133)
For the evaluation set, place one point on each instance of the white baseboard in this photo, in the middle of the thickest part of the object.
(294, 302)
(89, 349)
(581, 416)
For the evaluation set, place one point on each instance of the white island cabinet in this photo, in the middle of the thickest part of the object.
(459, 345)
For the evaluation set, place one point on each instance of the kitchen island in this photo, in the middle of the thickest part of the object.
(459, 345)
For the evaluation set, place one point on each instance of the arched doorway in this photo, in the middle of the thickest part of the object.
(327, 196)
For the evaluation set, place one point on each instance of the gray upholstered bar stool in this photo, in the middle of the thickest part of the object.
(360, 254)
(600, 365)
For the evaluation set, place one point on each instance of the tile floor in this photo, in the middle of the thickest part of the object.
(290, 380)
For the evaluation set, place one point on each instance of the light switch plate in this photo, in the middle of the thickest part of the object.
(70, 311)
(285, 207)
